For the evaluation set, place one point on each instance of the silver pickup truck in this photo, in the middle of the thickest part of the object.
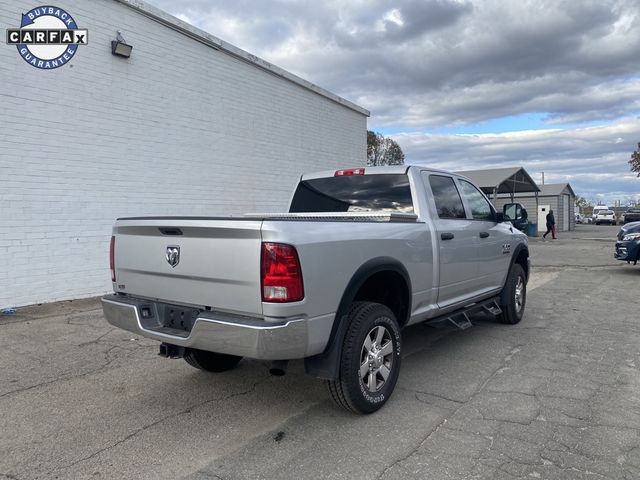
(361, 254)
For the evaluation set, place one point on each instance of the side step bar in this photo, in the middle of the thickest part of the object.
(460, 318)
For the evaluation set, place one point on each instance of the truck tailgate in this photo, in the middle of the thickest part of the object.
(216, 261)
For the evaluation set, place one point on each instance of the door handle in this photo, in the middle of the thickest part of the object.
(484, 234)
(446, 236)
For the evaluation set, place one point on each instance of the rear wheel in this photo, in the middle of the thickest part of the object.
(514, 296)
(370, 361)
(211, 361)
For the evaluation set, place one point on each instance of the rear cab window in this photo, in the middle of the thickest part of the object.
(354, 193)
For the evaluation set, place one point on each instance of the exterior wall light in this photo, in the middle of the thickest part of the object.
(119, 48)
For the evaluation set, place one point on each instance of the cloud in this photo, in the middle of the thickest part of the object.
(593, 159)
(445, 62)
(429, 65)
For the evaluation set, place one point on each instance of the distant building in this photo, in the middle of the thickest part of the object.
(514, 184)
(558, 197)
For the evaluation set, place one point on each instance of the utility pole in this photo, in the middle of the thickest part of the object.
(542, 178)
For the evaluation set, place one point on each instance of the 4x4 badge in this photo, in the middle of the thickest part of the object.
(173, 255)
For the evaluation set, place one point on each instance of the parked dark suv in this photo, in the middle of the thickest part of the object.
(628, 244)
(631, 215)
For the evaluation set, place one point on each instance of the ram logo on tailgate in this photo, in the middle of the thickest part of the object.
(173, 255)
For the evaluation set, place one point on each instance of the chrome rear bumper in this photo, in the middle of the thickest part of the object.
(217, 332)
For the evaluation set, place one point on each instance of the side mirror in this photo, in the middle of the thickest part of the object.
(512, 211)
(516, 214)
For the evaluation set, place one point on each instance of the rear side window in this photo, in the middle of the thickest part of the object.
(446, 196)
(355, 193)
(480, 208)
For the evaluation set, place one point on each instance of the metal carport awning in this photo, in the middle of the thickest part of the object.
(502, 180)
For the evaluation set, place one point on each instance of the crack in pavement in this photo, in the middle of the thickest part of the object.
(97, 340)
(429, 394)
(98, 313)
(161, 420)
(108, 361)
(417, 447)
(22, 317)
(515, 349)
(574, 469)
(570, 266)
(209, 475)
(9, 476)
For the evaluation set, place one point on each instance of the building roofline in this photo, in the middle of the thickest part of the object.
(205, 38)
(499, 180)
(545, 191)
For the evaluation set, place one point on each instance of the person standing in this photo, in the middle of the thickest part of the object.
(551, 226)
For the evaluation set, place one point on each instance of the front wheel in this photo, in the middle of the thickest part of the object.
(370, 361)
(514, 296)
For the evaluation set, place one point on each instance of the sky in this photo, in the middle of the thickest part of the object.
(551, 85)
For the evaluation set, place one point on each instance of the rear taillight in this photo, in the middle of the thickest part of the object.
(349, 172)
(281, 275)
(112, 262)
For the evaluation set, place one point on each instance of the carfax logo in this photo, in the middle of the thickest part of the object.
(48, 37)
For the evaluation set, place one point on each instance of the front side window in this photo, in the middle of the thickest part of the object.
(446, 197)
(480, 207)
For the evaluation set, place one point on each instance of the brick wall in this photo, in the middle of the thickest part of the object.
(177, 129)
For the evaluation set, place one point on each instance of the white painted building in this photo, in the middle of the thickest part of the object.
(188, 125)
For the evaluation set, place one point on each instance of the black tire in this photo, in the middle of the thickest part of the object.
(514, 296)
(378, 324)
(211, 361)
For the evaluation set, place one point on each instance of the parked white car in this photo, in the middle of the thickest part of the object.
(605, 216)
(597, 209)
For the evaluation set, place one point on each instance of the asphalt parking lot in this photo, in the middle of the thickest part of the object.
(555, 397)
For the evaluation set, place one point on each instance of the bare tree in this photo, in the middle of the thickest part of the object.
(634, 163)
(382, 150)
(582, 203)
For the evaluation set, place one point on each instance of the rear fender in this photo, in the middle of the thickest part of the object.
(327, 364)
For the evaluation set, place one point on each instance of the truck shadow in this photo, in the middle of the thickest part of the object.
(441, 361)
(631, 270)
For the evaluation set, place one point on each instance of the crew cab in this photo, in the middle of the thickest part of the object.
(361, 254)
